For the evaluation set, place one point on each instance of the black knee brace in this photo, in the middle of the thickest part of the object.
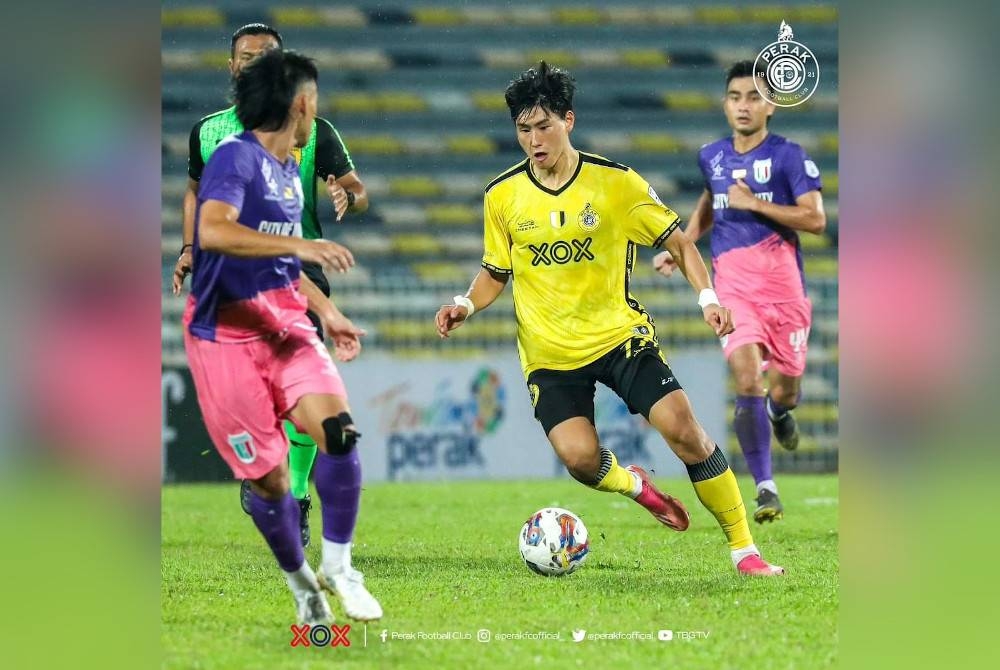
(341, 436)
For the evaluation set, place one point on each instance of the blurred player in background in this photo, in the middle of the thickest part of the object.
(254, 355)
(324, 157)
(757, 261)
(565, 225)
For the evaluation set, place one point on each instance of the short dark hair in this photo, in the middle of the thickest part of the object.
(743, 68)
(265, 88)
(253, 29)
(547, 87)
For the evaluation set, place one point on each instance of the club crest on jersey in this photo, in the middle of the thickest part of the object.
(557, 219)
(762, 171)
(589, 219)
(243, 447)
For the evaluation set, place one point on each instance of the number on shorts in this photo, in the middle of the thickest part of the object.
(798, 339)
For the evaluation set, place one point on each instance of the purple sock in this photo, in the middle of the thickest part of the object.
(338, 483)
(278, 522)
(776, 411)
(753, 430)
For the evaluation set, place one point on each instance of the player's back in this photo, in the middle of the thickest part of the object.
(752, 254)
(240, 299)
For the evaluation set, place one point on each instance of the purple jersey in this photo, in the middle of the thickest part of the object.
(242, 299)
(753, 256)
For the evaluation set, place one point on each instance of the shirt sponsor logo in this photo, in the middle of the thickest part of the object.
(721, 200)
(561, 252)
(282, 228)
(811, 169)
(525, 226)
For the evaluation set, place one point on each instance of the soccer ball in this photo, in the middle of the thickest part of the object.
(554, 542)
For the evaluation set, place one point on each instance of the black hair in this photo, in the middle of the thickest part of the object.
(743, 68)
(265, 88)
(253, 29)
(547, 87)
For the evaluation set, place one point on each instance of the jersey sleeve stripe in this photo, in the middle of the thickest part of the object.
(499, 271)
(666, 233)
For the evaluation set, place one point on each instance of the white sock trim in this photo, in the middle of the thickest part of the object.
(739, 554)
(636, 486)
(303, 580)
(767, 484)
(336, 556)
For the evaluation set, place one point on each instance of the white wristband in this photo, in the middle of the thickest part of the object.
(462, 301)
(707, 297)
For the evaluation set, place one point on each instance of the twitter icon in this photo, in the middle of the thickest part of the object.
(579, 635)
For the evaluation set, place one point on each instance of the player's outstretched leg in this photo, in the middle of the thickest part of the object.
(275, 513)
(301, 455)
(338, 483)
(712, 479)
(754, 435)
(576, 443)
(753, 431)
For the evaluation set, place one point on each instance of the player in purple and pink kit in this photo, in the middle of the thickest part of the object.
(254, 355)
(760, 191)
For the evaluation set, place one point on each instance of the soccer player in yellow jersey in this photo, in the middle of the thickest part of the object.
(564, 225)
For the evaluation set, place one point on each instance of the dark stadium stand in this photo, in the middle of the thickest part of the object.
(416, 94)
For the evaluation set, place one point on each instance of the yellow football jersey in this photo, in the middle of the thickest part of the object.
(570, 253)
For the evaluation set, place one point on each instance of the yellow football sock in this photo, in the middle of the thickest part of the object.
(612, 477)
(717, 490)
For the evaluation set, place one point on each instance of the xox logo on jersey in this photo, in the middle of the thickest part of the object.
(561, 252)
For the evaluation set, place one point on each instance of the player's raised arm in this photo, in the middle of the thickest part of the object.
(692, 266)
(485, 288)
(699, 224)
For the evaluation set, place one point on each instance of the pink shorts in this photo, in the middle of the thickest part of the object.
(245, 389)
(782, 328)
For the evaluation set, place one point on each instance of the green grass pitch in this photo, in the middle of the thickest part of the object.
(442, 557)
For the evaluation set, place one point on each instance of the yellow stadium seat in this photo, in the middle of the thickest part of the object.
(438, 16)
(831, 183)
(401, 102)
(214, 59)
(656, 143)
(453, 214)
(299, 17)
(820, 266)
(579, 16)
(414, 187)
(193, 17)
(829, 143)
(689, 101)
(645, 58)
(813, 14)
(383, 145)
(765, 14)
(416, 243)
(471, 144)
(489, 101)
(718, 15)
